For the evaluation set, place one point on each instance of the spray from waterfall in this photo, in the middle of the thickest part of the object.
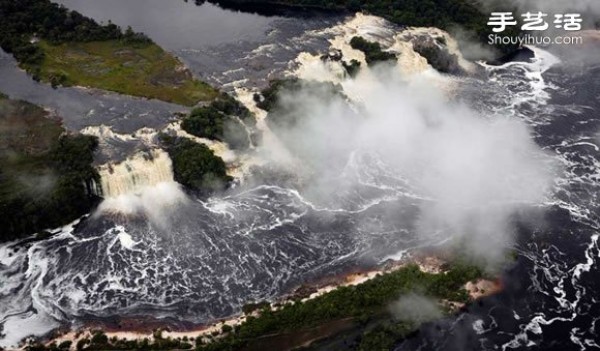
(470, 172)
(141, 185)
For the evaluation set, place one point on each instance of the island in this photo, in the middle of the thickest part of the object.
(64, 48)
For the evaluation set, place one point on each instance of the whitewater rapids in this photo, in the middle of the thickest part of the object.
(208, 257)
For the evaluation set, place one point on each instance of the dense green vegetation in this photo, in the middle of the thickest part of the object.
(372, 51)
(195, 166)
(226, 104)
(63, 47)
(361, 302)
(445, 14)
(140, 69)
(225, 119)
(384, 336)
(21, 20)
(46, 176)
(204, 122)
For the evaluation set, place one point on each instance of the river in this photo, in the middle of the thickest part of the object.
(194, 260)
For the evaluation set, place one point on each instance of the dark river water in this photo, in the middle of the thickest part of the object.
(178, 26)
(550, 298)
(226, 48)
(210, 256)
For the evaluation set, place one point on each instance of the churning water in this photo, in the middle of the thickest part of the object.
(200, 259)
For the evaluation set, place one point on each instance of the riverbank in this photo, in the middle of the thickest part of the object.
(258, 323)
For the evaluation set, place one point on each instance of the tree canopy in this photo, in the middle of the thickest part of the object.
(373, 52)
(46, 176)
(195, 166)
(25, 21)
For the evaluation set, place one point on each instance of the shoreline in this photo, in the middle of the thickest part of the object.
(144, 327)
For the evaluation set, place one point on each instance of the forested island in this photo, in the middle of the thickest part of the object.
(63, 47)
(46, 174)
(373, 52)
(195, 166)
(225, 119)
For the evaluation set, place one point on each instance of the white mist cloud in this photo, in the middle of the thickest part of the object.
(156, 202)
(473, 172)
(415, 308)
(470, 47)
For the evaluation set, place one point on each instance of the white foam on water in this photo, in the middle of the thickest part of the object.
(590, 260)
(103, 132)
(7, 254)
(530, 73)
(126, 240)
(478, 326)
(397, 256)
(18, 327)
(25, 311)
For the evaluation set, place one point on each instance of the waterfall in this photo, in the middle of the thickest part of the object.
(142, 184)
(410, 63)
(132, 176)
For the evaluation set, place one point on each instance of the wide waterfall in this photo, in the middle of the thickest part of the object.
(143, 183)
(132, 176)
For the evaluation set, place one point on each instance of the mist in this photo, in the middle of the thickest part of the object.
(470, 47)
(415, 308)
(470, 172)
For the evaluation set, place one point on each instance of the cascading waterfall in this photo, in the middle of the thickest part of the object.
(410, 63)
(136, 173)
(142, 184)
(202, 264)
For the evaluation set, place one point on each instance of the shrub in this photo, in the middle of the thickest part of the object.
(195, 166)
(373, 52)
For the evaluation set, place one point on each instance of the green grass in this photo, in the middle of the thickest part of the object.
(139, 69)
